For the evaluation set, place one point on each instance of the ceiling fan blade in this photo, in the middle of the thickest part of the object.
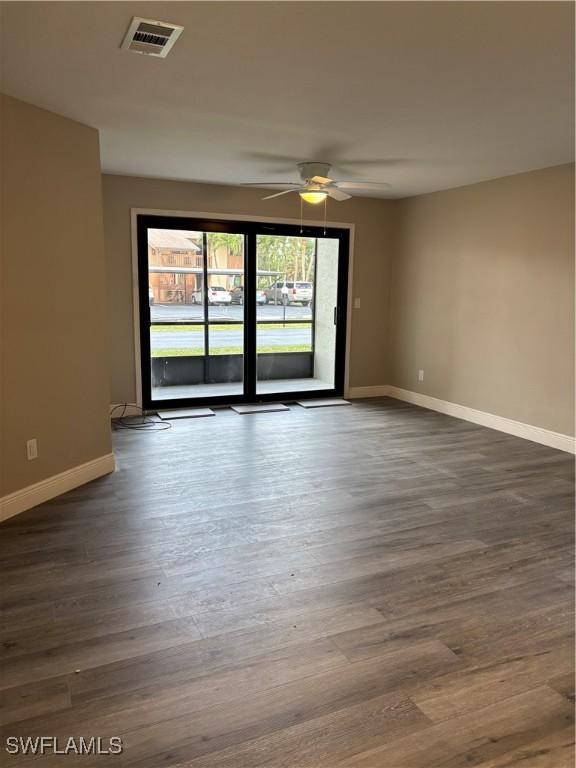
(337, 194)
(390, 162)
(368, 185)
(278, 194)
(321, 180)
(271, 184)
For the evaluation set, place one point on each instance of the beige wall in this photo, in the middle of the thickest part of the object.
(369, 339)
(54, 357)
(482, 297)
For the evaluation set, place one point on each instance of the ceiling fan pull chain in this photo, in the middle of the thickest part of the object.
(301, 216)
(325, 207)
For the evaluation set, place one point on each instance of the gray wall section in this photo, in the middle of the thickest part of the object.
(326, 293)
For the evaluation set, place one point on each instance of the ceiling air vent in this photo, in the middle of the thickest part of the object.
(153, 38)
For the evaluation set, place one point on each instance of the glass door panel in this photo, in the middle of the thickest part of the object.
(225, 358)
(196, 321)
(295, 331)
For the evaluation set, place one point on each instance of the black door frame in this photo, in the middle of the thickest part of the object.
(250, 230)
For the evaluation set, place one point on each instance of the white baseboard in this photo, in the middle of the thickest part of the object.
(501, 423)
(29, 497)
(125, 409)
(381, 390)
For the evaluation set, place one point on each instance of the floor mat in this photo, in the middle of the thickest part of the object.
(185, 413)
(323, 403)
(259, 408)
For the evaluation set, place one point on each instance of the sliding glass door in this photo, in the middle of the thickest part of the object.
(296, 314)
(239, 311)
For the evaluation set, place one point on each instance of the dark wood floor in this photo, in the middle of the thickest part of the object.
(376, 586)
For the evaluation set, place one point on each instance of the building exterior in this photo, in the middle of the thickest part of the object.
(183, 250)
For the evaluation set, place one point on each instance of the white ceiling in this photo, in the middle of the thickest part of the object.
(427, 95)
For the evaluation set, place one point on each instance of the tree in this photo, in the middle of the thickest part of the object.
(291, 258)
(230, 244)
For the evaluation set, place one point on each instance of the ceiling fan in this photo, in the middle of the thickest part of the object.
(316, 186)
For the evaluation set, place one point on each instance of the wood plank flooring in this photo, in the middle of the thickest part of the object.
(377, 586)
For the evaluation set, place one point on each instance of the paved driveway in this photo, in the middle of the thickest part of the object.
(163, 312)
(274, 336)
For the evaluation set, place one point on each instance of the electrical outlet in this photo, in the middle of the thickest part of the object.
(32, 449)
(421, 374)
(357, 303)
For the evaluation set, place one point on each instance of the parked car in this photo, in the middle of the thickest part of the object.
(297, 293)
(216, 295)
(237, 295)
(150, 296)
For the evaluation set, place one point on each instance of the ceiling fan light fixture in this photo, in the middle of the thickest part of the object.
(313, 197)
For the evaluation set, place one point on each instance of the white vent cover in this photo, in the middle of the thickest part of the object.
(153, 38)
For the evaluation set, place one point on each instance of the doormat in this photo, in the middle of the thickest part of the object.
(323, 403)
(259, 408)
(185, 413)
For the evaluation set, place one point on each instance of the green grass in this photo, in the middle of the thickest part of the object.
(177, 352)
(198, 352)
(227, 327)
